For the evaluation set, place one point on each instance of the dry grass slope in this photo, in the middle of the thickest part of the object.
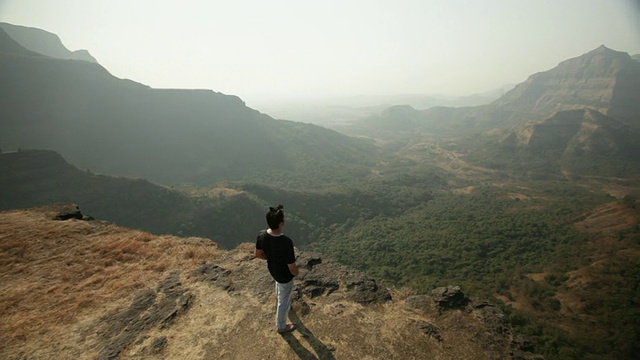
(88, 289)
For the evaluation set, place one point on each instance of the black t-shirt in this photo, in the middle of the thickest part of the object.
(279, 251)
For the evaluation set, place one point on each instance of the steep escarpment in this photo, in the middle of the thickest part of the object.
(602, 79)
(116, 126)
(44, 42)
(114, 293)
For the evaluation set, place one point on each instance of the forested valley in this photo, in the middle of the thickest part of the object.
(536, 243)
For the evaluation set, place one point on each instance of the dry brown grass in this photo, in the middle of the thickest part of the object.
(55, 272)
(63, 280)
(609, 218)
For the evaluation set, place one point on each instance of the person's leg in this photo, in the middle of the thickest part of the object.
(283, 292)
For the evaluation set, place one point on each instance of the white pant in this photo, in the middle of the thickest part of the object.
(283, 292)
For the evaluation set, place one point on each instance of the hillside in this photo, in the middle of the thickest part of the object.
(200, 137)
(119, 294)
(44, 42)
(576, 142)
(34, 178)
(602, 79)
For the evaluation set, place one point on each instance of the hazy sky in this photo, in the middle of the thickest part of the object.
(259, 49)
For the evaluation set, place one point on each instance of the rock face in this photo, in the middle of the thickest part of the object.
(148, 310)
(72, 212)
(602, 79)
(450, 301)
(321, 277)
(450, 297)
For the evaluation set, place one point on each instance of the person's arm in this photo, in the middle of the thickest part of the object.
(293, 269)
(260, 254)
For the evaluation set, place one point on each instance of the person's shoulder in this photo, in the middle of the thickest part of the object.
(262, 232)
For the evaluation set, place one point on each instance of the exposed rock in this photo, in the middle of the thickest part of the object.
(69, 212)
(215, 275)
(149, 309)
(319, 277)
(317, 284)
(450, 297)
(602, 79)
(499, 334)
(308, 260)
(365, 290)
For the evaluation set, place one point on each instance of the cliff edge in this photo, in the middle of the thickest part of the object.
(74, 287)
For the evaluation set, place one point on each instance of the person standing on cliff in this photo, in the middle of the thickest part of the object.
(275, 247)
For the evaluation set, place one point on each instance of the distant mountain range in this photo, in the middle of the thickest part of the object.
(200, 137)
(603, 79)
(109, 125)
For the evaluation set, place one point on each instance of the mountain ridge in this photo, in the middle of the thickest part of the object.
(590, 80)
(39, 177)
(44, 42)
(602, 79)
(121, 127)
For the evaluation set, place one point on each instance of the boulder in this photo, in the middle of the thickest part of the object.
(365, 290)
(69, 212)
(321, 277)
(449, 297)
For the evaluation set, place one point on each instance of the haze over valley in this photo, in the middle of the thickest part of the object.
(523, 195)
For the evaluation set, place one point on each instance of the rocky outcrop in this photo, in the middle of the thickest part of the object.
(498, 336)
(214, 275)
(72, 213)
(149, 309)
(450, 297)
(62, 212)
(322, 277)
